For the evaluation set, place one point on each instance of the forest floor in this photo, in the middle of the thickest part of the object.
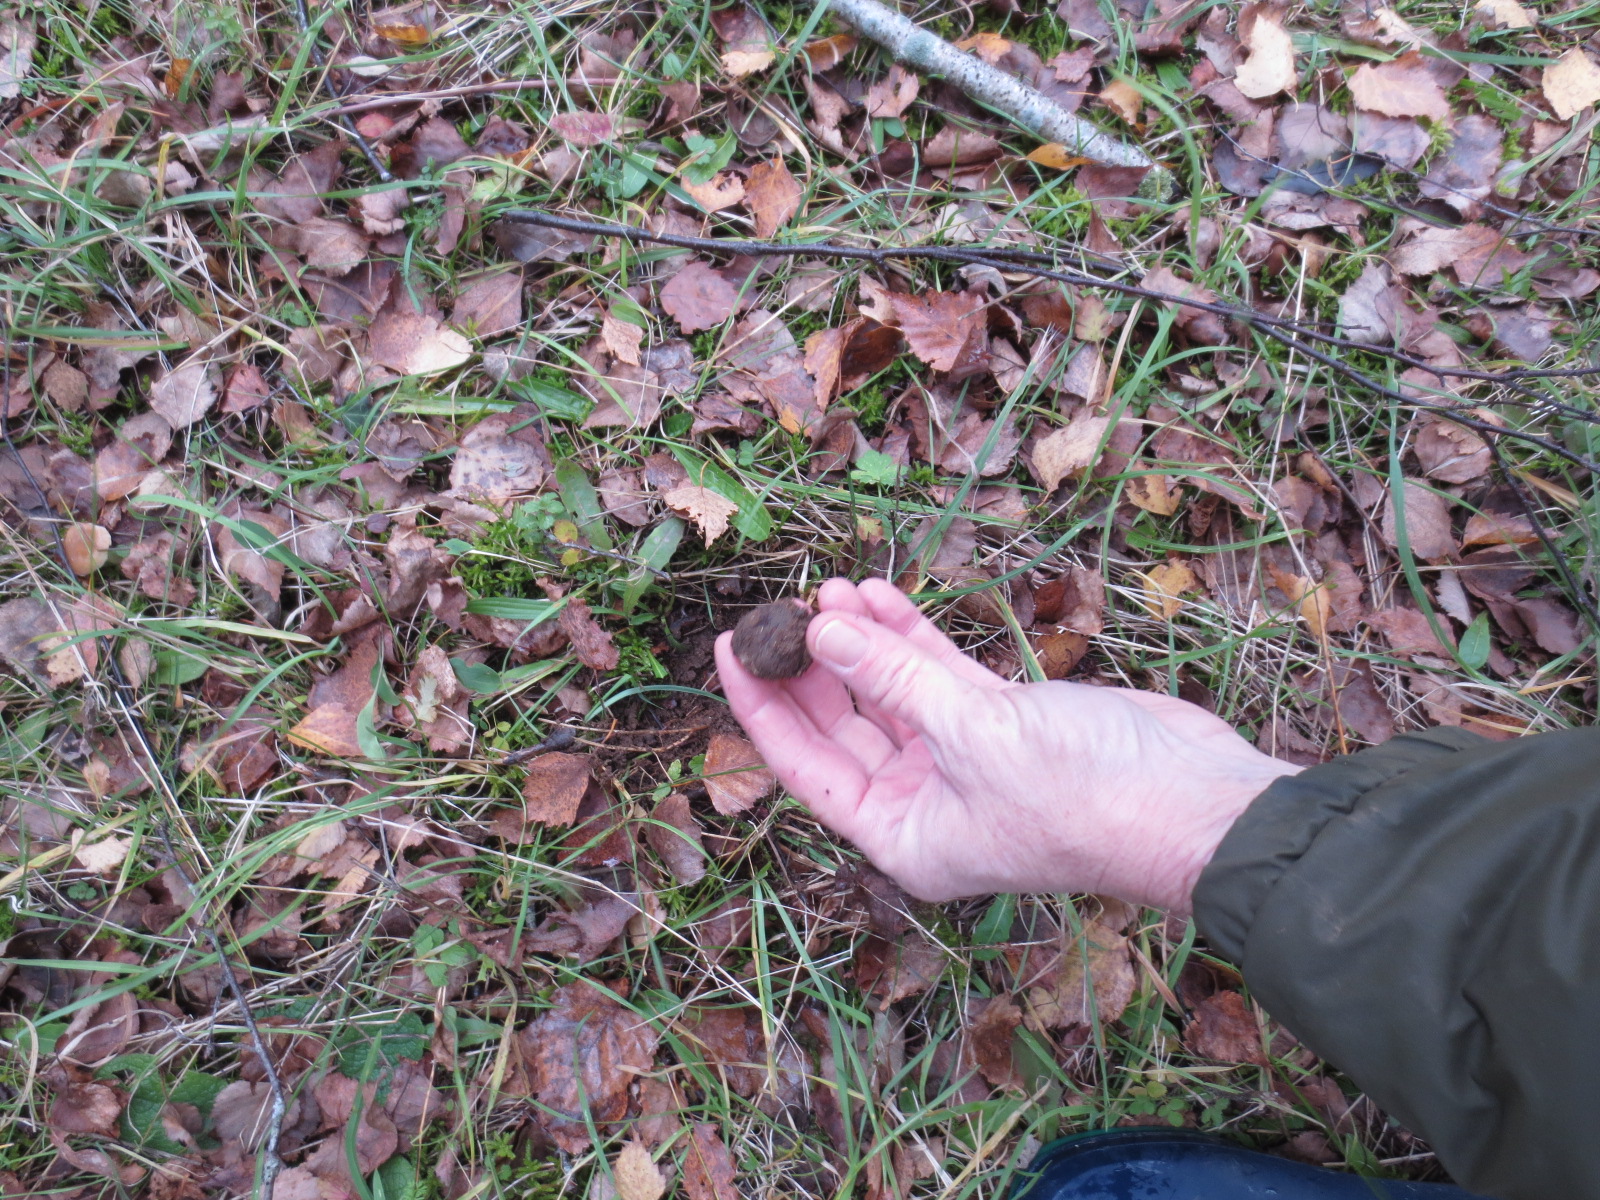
(373, 822)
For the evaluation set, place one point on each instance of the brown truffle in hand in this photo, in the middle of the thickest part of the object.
(771, 640)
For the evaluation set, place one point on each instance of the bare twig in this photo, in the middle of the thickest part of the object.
(1033, 110)
(271, 1163)
(1289, 333)
(346, 126)
(373, 101)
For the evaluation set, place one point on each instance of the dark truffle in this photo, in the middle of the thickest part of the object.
(771, 640)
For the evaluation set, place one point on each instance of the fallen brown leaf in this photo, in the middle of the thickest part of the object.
(1169, 582)
(946, 330)
(896, 969)
(722, 191)
(1426, 515)
(434, 704)
(413, 343)
(1224, 1029)
(585, 1051)
(637, 1177)
(500, 457)
(1371, 308)
(991, 1026)
(1403, 87)
(87, 1108)
(891, 96)
(698, 297)
(1070, 450)
(675, 836)
(489, 304)
(590, 642)
(735, 775)
(1090, 980)
(1122, 98)
(185, 394)
(772, 195)
(708, 1172)
(553, 788)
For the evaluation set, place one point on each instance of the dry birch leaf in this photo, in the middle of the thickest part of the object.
(709, 511)
(1269, 69)
(1571, 83)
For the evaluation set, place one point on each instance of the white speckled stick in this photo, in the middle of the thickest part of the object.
(1037, 113)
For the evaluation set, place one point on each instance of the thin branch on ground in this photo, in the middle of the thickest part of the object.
(271, 1163)
(1288, 333)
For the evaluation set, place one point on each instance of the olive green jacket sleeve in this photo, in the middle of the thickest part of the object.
(1425, 915)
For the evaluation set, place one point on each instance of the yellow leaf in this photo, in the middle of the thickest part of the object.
(1168, 582)
(1055, 155)
(1155, 494)
(1122, 98)
(406, 35)
(990, 47)
(740, 63)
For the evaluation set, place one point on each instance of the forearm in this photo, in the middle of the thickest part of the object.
(1426, 915)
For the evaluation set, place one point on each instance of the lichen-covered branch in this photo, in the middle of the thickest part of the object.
(913, 45)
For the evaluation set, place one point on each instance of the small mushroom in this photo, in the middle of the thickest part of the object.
(771, 640)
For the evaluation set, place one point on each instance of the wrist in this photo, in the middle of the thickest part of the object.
(1214, 807)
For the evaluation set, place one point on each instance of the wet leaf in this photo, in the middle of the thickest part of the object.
(708, 1172)
(1223, 1029)
(585, 1051)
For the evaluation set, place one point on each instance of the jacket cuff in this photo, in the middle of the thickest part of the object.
(1282, 822)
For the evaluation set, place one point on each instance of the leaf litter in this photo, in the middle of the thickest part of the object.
(491, 480)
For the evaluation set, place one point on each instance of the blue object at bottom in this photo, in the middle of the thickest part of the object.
(1161, 1164)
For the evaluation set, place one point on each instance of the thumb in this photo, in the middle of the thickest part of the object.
(890, 673)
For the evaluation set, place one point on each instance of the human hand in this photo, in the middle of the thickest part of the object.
(957, 782)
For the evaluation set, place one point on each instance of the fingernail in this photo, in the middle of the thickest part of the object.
(841, 644)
